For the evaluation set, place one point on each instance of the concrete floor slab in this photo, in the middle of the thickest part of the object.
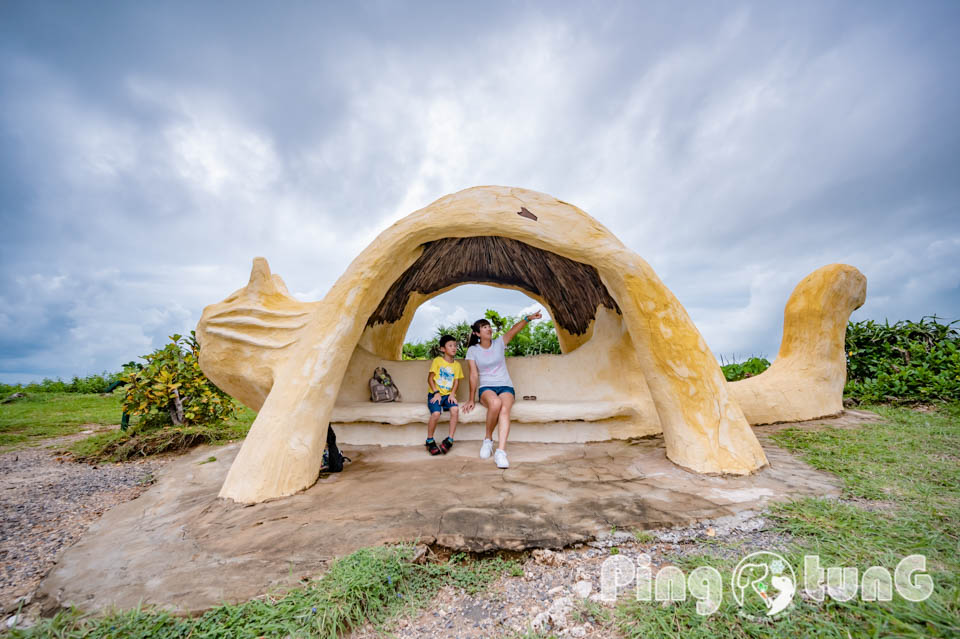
(180, 547)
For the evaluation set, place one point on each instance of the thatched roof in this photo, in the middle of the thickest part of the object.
(572, 290)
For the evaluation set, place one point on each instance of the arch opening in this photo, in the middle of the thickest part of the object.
(466, 303)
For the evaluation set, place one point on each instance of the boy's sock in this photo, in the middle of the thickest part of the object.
(429, 439)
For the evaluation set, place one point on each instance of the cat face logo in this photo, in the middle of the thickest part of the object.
(763, 582)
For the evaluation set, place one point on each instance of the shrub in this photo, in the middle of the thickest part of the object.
(144, 440)
(99, 383)
(431, 348)
(171, 388)
(419, 350)
(734, 371)
(903, 362)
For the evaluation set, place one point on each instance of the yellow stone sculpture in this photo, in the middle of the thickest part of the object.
(633, 363)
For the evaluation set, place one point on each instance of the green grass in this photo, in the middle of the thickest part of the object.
(244, 419)
(902, 480)
(40, 416)
(370, 585)
(643, 537)
(43, 415)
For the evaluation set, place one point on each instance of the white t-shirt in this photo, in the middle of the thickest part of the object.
(491, 364)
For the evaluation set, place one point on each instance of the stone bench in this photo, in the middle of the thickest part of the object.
(547, 421)
(532, 411)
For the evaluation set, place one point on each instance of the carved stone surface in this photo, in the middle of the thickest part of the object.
(806, 380)
(290, 360)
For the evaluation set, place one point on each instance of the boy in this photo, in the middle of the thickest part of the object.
(443, 379)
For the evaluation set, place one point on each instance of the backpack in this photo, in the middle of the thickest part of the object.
(382, 388)
(332, 457)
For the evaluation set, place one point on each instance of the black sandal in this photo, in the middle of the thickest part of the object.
(433, 448)
(446, 445)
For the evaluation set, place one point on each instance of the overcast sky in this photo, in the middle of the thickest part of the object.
(148, 151)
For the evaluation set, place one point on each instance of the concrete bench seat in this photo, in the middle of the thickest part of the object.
(397, 413)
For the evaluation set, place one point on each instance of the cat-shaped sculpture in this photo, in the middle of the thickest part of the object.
(286, 359)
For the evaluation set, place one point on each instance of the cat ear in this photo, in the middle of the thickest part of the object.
(262, 282)
(263, 313)
(260, 279)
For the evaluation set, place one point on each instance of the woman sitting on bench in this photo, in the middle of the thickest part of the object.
(490, 379)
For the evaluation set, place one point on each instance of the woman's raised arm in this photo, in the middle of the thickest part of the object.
(516, 328)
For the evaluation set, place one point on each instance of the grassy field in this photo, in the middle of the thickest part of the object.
(43, 415)
(901, 497)
(40, 416)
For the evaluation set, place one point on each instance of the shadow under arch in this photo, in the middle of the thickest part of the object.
(295, 354)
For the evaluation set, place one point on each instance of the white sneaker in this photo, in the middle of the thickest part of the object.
(486, 449)
(501, 458)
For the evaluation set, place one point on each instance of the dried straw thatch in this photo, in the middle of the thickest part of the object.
(572, 290)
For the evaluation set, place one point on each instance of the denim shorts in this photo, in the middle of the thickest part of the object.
(499, 390)
(445, 403)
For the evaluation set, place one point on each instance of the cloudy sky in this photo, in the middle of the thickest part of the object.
(148, 151)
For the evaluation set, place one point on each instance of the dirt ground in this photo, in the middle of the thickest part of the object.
(47, 502)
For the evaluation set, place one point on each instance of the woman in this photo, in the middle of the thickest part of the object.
(489, 376)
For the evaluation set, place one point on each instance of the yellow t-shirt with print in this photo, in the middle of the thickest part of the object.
(444, 373)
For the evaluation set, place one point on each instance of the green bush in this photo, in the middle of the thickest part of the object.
(171, 388)
(420, 350)
(903, 362)
(735, 371)
(431, 348)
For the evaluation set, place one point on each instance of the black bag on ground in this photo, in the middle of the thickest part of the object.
(335, 458)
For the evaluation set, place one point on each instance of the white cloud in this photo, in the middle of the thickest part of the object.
(458, 315)
(735, 149)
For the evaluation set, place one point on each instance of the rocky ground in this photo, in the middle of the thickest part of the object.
(46, 504)
(559, 592)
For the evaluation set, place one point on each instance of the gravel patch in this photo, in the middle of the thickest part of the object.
(558, 594)
(46, 503)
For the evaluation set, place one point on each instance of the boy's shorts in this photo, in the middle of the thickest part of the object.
(499, 390)
(444, 405)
